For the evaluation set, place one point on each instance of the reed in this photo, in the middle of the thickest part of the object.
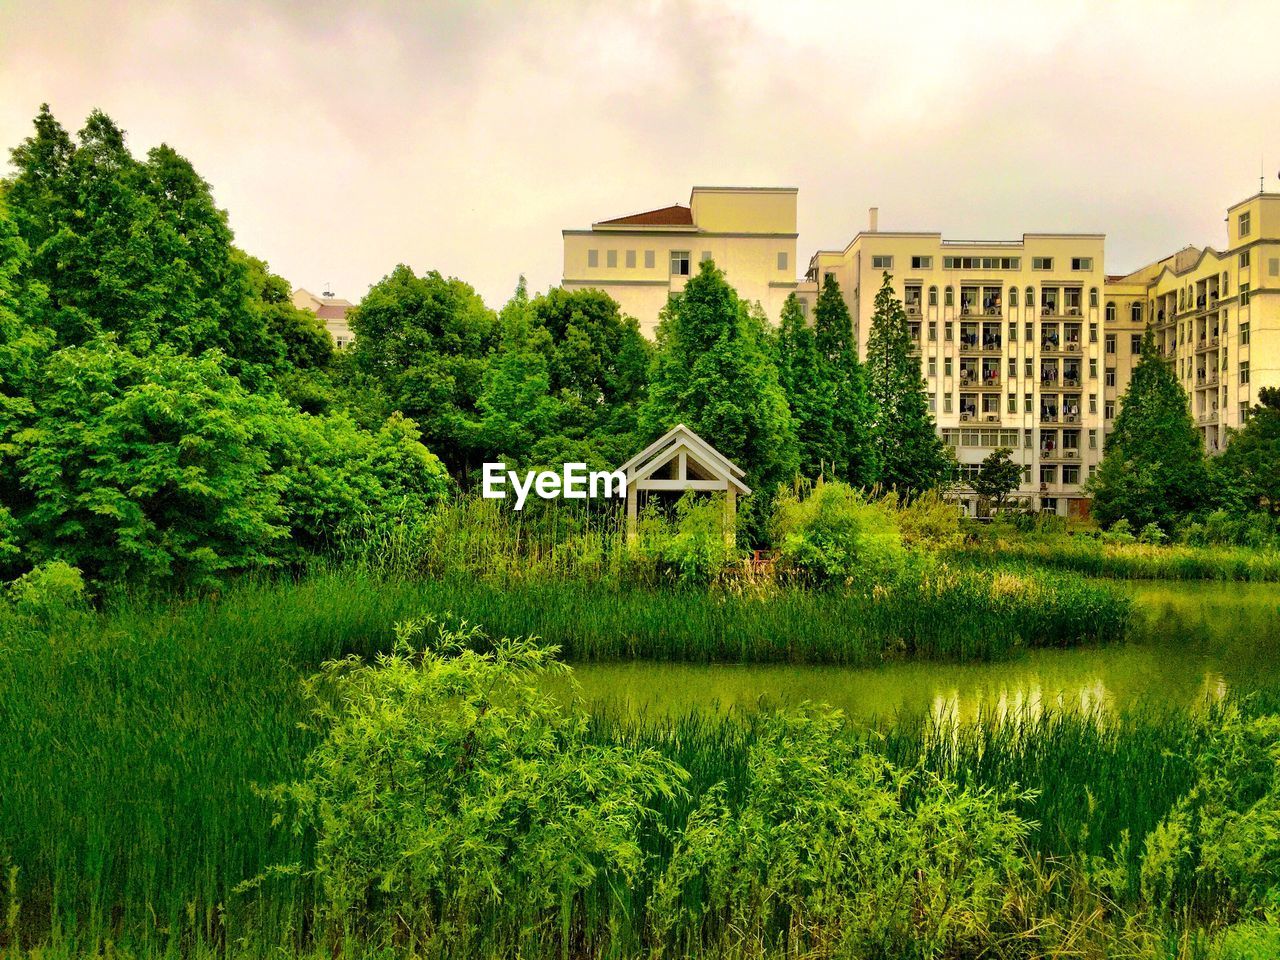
(1132, 561)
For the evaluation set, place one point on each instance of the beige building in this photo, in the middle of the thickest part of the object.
(641, 259)
(1026, 344)
(332, 310)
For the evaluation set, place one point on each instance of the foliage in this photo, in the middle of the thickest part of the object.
(48, 591)
(928, 521)
(712, 372)
(1153, 469)
(910, 454)
(697, 550)
(1218, 851)
(1249, 469)
(840, 849)
(810, 395)
(1153, 534)
(454, 800)
(998, 476)
(835, 535)
(851, 448)
(423, 344)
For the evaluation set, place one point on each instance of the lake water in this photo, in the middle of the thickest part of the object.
(1191, 642)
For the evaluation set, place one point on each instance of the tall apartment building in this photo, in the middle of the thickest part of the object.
(641, 259)
(1026, 344)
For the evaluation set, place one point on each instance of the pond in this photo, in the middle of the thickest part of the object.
(1191, 642)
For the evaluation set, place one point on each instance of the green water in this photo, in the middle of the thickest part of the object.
(1191, 642)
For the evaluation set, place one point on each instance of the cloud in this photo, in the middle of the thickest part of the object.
(463, 137)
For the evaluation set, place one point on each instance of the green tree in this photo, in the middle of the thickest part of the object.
(1249, 469)
(852, 449)
(998, 476)
(905, 440)
(424, 343)
(809, 394)
(134, 248)
(713, 373)
(1153, 469)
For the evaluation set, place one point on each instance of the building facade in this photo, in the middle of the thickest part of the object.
(641, 259)
(332, 310)
(1026, 344)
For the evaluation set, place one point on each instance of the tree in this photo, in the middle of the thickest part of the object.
(133, 248)
(712, 372)
(1153, 468)
(998, 476)
(905, 440)
(1249, 469)
(810, 395)
(424, 343)
(852, 449)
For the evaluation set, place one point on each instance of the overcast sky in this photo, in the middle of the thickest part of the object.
(345, 138)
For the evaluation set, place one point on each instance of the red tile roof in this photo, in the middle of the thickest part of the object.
(332, 311)
(673, 216)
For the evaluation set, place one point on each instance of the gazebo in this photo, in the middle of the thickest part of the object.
(681, 460)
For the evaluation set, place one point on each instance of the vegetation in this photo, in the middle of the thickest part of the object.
(906, 445)
(134, 753)
(1153, 470)
(998, 476)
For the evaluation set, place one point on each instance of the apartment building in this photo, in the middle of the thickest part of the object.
(332, 310)
(1011, 340)
(1026, 344)
(641, 259)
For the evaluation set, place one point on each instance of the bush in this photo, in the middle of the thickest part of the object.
(695, 549)
(1153, 535)
(51, 589)
(840, 848)
(1119, 532)
(455, 801)
(930, 522)
(834, 535)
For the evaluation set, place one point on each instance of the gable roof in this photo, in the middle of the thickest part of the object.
(671, 443)
(672, 216)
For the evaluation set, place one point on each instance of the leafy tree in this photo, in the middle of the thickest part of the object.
(299, 336)
(1249, 469)
(134, 248)
(905, 440)
(810, 395)
(713, 373)
(852, 449)
(1153, 468)
(424, 343)
(998, 476)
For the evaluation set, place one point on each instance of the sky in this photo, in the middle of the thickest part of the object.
(345, 138)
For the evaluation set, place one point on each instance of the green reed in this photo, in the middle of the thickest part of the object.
(1134, 561)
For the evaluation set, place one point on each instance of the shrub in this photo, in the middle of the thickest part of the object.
(455, 801)
(1119, 532)
(695, 549)
(50, 589)
(839, 847)
(1153, 534)
(835, 535)
(930, 522)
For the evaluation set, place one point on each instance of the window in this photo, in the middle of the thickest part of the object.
(1082, 263)
(1244, 334)
(1242, 225)
(1070, 473)
(593, 258)
(950, 297)
(933, 296)
(933, 366)
(882, 262)
(1111, 312)
(933, 403)
(828, 275)
(649, 260)
(1048, 473)
(611, 259)
(1093, 333)
(946, 366)
(1244, 294)
(1109, 410)
(1030, 332)
(1135, 343)
(1111, 378)
(946, 331)
(1013, 296)
(1093, 368)
(1135, 312)
(706, 255)
(1273, 266)
(1244, 371)
(1093, 438)
(1244, 259)
(1013, 368)
(631, 259)
(782, 259)
(1026, 403)
(922, 263)
(1093, 297)
(982, 263)
(1093, 403)
(1111, 343)
(1028, 367)
(1013, 403)
(946, 403)
(1042, 263)
(804, 306)
(1013, 333)
(1030, 299)
(679, 263)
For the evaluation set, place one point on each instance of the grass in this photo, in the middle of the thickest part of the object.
(1132, 561)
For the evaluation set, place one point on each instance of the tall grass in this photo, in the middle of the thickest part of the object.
(1132, 561)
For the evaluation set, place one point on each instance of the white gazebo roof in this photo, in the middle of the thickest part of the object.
(698, 465)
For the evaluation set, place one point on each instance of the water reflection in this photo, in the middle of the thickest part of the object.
(1191, 644)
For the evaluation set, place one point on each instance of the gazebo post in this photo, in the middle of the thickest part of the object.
(632, 509)
(730, 515)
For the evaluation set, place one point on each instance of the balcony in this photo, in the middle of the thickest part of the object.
(1049, 416)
